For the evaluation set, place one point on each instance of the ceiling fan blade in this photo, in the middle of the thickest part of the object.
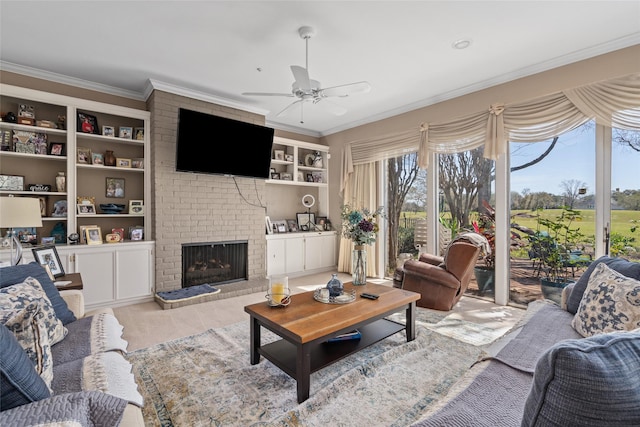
(331, 107)
(302, 77)
(290, 95)
(288, 108)
(345, 90)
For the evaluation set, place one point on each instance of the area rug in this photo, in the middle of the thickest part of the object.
(206, 379)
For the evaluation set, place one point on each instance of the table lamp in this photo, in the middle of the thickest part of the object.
(19, 212)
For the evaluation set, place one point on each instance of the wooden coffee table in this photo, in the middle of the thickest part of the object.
(306, 325)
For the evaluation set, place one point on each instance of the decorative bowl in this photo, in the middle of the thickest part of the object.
(111, 208)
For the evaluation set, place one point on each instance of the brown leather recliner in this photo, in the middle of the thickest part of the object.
(441, 281)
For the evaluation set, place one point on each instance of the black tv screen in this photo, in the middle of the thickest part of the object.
(221, 146)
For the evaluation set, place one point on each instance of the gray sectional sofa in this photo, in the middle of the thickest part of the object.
(57, 363)
(577, 364)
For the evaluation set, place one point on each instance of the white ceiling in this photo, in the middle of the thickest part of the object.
(214, 48)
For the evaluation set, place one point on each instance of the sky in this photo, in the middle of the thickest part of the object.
(573, 157)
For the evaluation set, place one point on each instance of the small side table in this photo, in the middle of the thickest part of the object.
(76, 281)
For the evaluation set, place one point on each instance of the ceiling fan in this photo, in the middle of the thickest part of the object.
(309, 90)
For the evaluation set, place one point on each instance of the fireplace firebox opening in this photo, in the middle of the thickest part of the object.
(214, 263)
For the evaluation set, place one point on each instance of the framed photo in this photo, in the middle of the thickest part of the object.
(138, 134)
(47, 241)
(137, 163)
(83, 234)
(84, 156)
(115, 187)
(93, 235)
(43, 206)
(300, 176)
(327, 225)
(293, 225)
(136, 233)
(278, 154)
(288, 157)
(125, 132)
(275, 175)
(86, 209)
(123, 163)
(26, 235)
(268, 225)
(309, 177)
(108, 131)
(321, 221)
(86, 199)
(306, 221)
(136, 207)
(12, 182)
(87, 123)
(120, 232)
(97, 159)
(280, 226)
(56, 149)
(286, 176)
(49, 256)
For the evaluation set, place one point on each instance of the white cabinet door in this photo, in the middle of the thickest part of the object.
(294, 255)
(134, 272)
(276, 256)
(328, 250)
(320, 251)
(97, 267)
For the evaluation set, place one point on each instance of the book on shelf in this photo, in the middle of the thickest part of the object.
(353, 335)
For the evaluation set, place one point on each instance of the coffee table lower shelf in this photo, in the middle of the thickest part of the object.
(283, 353)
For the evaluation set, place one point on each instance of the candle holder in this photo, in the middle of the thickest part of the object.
(279, 294)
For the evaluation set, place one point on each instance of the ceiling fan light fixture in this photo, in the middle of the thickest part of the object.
(461, 44)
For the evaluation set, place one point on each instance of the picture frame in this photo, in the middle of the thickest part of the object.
(136, 233)
(293, 225)
(12, 182)
(108, 131)
(310, 177)
(82, 232)
(136, 207)
(93, 235)
(122, 162)
(286, 176)
(280, 226)
(138, 134)
(137, 163)
(86, 199)
(57, 149)
(119, 231)
(300, 176)
(114, 187)
(268, 225)
(125, 132)
(278, 154)
(46, 241)
(43, 205)
(288, 157)
(97, 159)
(84, 156)
(26, 235)
(87, 123)
(306, 221)
(48, 255)
(327, 225)
(275, 175)
(86, 209)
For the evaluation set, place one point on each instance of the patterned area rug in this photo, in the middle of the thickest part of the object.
(206, 379)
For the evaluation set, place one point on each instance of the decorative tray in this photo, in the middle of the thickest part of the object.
(344, 298)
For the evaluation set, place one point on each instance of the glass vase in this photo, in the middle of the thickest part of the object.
(359, 265)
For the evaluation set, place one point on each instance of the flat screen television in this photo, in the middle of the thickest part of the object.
(221, 146)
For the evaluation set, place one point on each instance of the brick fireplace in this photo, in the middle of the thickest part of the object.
(214, 263)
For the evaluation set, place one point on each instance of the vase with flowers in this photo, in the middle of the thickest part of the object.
(361, 227)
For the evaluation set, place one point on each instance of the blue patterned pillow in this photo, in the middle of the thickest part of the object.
(19, 382)
(588, 382)
(611, 302)
(17, 273)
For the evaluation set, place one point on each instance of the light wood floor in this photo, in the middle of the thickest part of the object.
(147, 324)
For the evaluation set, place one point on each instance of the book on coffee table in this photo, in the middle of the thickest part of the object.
(353, 335)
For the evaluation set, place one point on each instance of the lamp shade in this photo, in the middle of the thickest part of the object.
(20, 212)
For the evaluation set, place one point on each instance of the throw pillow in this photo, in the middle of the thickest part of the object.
(19, 382)
(621, 265)
(16, 297)
(33, 338)
(587, 382)
(17, 274)
(610, 303)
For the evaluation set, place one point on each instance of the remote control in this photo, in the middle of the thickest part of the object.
(369, 296)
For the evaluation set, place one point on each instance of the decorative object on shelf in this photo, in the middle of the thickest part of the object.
(6, 140)
(125, 132)
(73, 238)
(97, 159)
(293, 225)
(278, 294)
(59, 231)
(44, 241)
(300, 176)
(93, 235)
(61, 182)
(317, 160)
(139, 134)
(278, 154)
(86, 199)
(46, 124)
(275, 175)
(280, 226)
(83, 235)
(62, 122)
(308, 159)
(9, 117)
(87, 123)
(268, 225)
(123, 163)
(86, 209)
(18, 212)
(12, 182)
(115, 187)
(39, 187)
(84, 156)
(137, 163)
(119, 231)
(43, 205)
(56, 149)
(59, 208)
(109, 158)
(136, 207)
(335, 286)
(286, 176)
(361, 228)
(49, 256)
(111, 208)
(108, 131)
(136, 232)
(27, 111)
(112, 238)
(29, 142)
(288, 157)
